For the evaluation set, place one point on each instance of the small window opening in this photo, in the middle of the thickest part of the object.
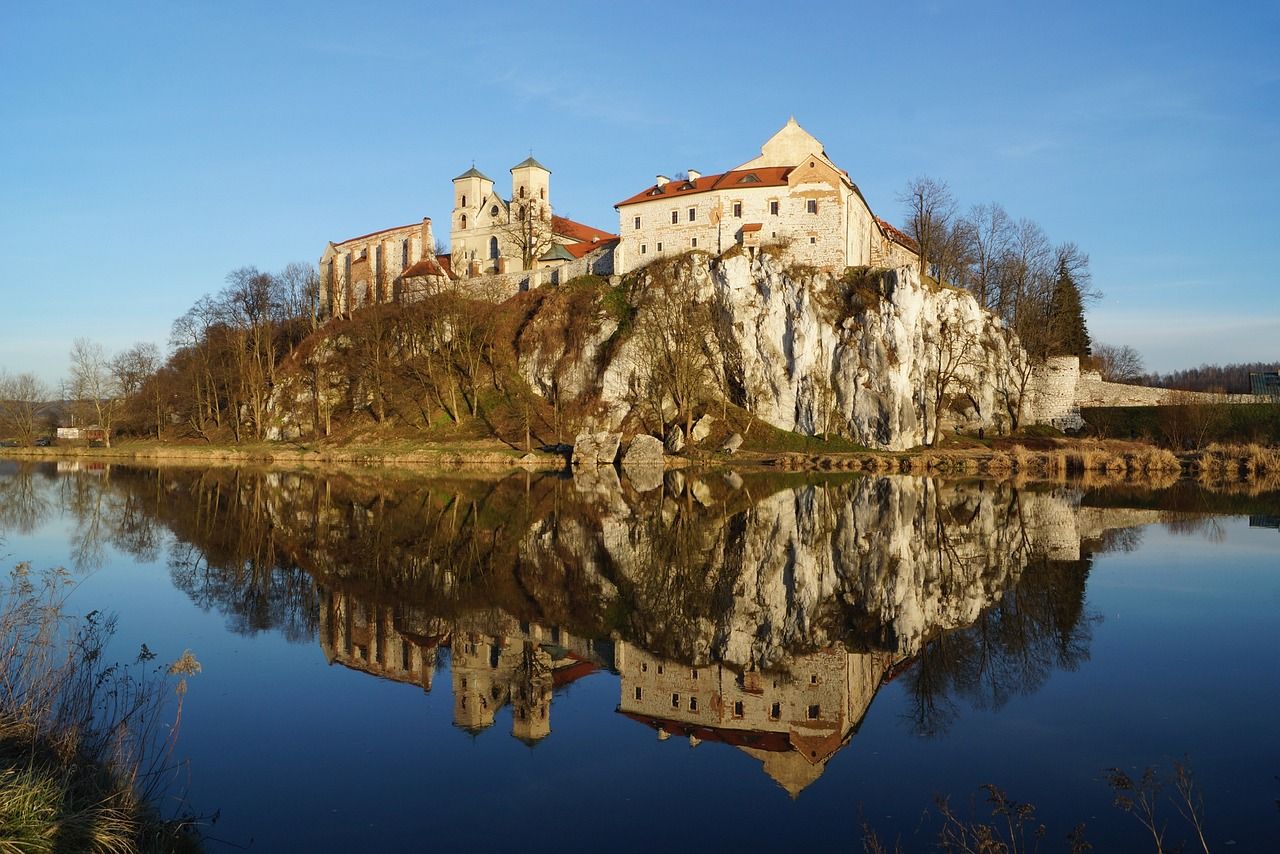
(811, 206)
(773, 208)
(693, 214)
(693, 704)
(637, 222)
(737, 209)
(675, 701)
(775, 711)
(814, 712)
(639, 693)
(675, 217)
(738, 710)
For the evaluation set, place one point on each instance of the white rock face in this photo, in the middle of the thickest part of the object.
(793, 359)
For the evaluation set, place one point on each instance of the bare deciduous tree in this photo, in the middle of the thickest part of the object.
(930, 210)
(93, 384)
(22, 398)
(1118, 363)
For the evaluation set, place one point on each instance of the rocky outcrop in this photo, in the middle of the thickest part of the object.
(813, 352)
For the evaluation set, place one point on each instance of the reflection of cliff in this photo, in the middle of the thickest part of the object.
(793, 721)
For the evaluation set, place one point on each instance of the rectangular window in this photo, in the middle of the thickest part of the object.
(644, 668)
(694, 243)
(643, 248)
(693, 674)
(738, 711)
(693, 704)
(675, 217)
(775, 711)
(815, 712)
(693, 214)
(659, 246)
(811, 206)
(639, 692)
(737, 209)
(773, 208)
(813, 240)
(659, 669)
(675, 701)
(637, 221)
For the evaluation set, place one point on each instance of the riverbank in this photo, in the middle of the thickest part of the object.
(1052, 458)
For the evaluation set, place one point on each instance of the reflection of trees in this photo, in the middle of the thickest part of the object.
(23, 505)
(1035, 627)
(228, 555)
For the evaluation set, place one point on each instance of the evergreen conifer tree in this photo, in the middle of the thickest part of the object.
(1068, 334)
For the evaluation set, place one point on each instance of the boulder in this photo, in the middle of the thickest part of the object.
(701, 429)
(643, 452)
(732, 444)
(596, 449)
(675, 439)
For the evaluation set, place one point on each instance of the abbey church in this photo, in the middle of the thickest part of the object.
(791, 200)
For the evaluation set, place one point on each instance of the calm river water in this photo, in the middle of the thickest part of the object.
(397, 662)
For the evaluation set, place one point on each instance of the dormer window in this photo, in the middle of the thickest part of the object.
(687, 185)
(656, 191)
(753, 178)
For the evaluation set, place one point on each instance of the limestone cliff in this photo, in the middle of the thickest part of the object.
(812, 352)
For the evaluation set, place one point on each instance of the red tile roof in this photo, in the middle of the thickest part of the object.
(428, 266)
(446, 264)
(898, 236)
(774, 742)
(769, 176)
(577, 250)
(565, 227)
(752, 226)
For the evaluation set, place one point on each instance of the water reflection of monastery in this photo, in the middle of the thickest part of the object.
(496, 660)
(793, 721)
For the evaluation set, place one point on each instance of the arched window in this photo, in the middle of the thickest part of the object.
(522, 212)
(463, 222)
(522, 192)
(493, 211)
(464, 202)
(493, 247)
(542, 193)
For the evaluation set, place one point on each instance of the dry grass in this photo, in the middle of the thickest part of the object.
(82, 753)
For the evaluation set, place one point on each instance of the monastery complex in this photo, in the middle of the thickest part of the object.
(791, 198)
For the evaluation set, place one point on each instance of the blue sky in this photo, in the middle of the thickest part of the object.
(146, 150)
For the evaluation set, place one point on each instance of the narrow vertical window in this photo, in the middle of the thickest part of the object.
(737, 209)
(811, 206)
(637, 221)
(773, 208)
(675, 217)
(693, 214)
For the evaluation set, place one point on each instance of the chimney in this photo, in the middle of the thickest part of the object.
(694, 175)
(663, 180)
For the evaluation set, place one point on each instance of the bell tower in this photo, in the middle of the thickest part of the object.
(531, 188)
